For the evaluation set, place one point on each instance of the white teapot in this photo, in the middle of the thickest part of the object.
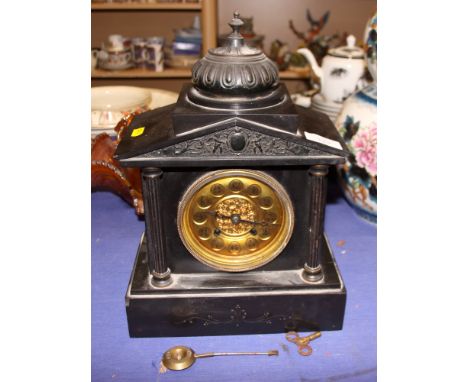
(341, 71)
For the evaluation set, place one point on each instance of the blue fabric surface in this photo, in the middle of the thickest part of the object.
(347, 355)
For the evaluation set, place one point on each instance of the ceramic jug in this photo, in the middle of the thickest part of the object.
(357, 124)
(342, 69)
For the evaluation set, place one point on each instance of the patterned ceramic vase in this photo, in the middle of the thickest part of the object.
(357, 124)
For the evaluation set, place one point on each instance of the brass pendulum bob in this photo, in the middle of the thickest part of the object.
(182, 357)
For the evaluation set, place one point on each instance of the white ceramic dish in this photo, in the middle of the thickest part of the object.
(110, 103)
(331, 109)
(301, 100)
(315, 106)
(158, 98)
(318, 106)
(327, 107)
(324, 110)
(335, 113)
(321, 102)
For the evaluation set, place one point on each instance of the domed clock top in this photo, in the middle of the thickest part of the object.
(235, 68)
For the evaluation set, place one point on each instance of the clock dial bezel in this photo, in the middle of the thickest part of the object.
(210, 233)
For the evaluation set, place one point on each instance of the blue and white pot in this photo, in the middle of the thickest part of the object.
(357, 124)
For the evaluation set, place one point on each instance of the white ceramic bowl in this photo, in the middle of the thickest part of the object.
(159, 98)
(110, 103)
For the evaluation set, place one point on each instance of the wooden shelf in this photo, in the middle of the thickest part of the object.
(293, 75)
(146, 6)
(174, 73)
(141, 73)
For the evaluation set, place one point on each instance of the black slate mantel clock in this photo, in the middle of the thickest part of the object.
(234, 186)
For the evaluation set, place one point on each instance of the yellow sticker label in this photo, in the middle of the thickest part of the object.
(137, 132)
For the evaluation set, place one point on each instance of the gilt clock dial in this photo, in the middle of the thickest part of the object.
(235, 220)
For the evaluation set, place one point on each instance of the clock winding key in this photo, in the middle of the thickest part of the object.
(302, 342)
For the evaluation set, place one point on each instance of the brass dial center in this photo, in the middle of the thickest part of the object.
(231, 214)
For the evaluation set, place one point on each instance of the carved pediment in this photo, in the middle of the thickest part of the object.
(234, 142)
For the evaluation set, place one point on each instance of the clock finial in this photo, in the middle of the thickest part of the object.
(236, 23)
(235, 68)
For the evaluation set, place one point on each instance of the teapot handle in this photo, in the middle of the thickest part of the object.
(312, 61)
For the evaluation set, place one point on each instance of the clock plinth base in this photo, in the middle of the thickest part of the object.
(221, 303)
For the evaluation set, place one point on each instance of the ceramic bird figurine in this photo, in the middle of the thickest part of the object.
(312, 39)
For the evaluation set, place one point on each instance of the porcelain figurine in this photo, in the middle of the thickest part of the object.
(342, 69)
(312, 39)
(280, 54)
(357, 124)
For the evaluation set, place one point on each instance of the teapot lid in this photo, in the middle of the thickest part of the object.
(348, 51)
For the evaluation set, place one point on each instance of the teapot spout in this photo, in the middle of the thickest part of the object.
(312, 61)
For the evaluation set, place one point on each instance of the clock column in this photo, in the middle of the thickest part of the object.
(155, 245)
(312, 268)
